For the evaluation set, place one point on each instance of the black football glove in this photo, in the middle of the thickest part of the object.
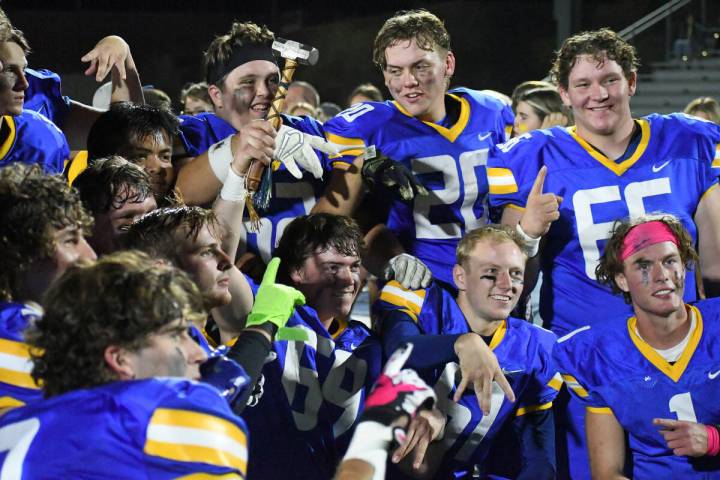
(383, 174)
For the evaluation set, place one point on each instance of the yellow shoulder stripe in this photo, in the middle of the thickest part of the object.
(395, 294)
(555, 382)
(533, 408)
(501, 180)
(210, 476)
(10, 140)
(188, 436)
(10, 402)
(600, 410)
(15, 364)
(77, 165)
(575, 386)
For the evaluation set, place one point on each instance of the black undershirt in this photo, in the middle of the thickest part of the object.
(632, 144)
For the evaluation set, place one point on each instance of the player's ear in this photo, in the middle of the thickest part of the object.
(215, 95)
(564, 95)
(459, 277)
(449, 64)
(296, 276)
(621, 282)
(119, 362)
(632, 83)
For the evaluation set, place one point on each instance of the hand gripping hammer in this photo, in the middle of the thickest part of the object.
(294, 53)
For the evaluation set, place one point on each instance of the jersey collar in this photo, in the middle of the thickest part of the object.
(498, 335)
(673, 371)
(622, 167)
(453, 132)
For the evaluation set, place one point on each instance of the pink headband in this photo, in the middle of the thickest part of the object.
(646, 234)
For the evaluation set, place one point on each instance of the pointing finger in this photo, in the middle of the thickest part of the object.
(537, 187)
(271, 272)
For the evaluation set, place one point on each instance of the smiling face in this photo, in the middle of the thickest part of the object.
(655, 279)
(153, 153)
(417, 79)
(491, 281)
(599, 95)
(246, 93)
(330, 282)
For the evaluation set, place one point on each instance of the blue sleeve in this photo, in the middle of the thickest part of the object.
(546, 380)
(512, 168)
(576, 368)
(311, 126)
(44, 95)
(430, 351)
(345, 129)
(536, 434)
(202, 408)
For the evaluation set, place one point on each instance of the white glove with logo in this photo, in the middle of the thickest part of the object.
(295, 150)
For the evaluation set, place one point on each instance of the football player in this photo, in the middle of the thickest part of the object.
(440, 137)
(315, 387)
(608, 166)
(650, 376)
(452, 330)
(42, 232)
(242, 76)
(109, 330)
(116, 193)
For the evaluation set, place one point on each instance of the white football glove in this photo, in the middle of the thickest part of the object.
(410, 271)
(295, 150)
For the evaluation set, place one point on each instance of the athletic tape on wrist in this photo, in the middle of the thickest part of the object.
(220, 157)
(370, 443)
(233, 190)
(532, 243)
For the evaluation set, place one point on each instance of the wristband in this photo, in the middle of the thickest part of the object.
(233, 190)
(713, 447)
(220, 157)
(370, 443)
(533, 244)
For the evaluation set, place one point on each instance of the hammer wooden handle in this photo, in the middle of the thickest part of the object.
(255, 172)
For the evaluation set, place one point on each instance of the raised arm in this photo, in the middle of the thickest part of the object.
(110, 55)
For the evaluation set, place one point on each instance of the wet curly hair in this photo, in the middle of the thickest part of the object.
(610, 264)
(119, 300)
(109, 183)
(156, 232)
(307, 234)
(601, 45)
(34, 206)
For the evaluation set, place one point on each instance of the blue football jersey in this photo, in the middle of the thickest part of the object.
(291, 197)
(523, 350)
(44, 95)
(668, 171)
(154, 429)
(614, 371)
(314, 392)
(449, 160)
(17, 387)
(33, 139)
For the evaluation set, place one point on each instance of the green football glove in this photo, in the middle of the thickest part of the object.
(276, 303)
